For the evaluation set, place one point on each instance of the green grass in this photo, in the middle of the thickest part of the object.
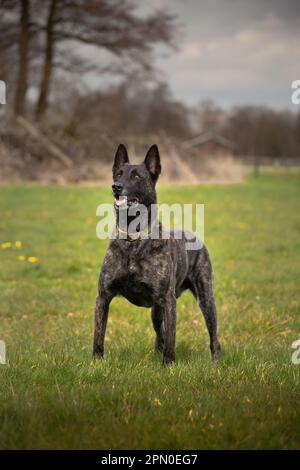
(53, 396)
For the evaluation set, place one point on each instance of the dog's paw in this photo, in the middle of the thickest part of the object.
(216, 352)
(168, 361)
(98, 355)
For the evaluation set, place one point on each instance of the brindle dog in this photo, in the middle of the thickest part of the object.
(151, 272)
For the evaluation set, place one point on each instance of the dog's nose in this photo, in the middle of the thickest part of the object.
(117, 188)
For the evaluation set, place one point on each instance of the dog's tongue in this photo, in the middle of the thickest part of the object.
(121, 201)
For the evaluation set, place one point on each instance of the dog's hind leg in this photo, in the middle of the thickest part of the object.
(101, 314)
(158, 325)
(202, 281)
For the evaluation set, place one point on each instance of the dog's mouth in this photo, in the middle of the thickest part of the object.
(124, 201)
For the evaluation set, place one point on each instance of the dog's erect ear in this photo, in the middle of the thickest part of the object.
(152, 162)
(121, 157)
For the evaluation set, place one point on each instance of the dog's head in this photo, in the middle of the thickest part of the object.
(135, 184)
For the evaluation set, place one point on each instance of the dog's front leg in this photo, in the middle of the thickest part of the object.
(101, 314)
(170, 328)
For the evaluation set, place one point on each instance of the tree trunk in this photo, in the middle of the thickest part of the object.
(48, 63)
(22, 80)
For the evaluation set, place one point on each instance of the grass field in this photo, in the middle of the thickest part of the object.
(51, 393)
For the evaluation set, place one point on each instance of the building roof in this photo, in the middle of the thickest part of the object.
(208, 136)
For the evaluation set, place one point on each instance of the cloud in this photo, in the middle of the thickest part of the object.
(230, 53)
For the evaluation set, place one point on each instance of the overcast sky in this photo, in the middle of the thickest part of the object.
(234, 51)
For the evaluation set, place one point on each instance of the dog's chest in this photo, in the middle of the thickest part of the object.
(140, 279)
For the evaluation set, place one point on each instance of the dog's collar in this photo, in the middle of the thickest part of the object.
(143, 235)
(134, 237)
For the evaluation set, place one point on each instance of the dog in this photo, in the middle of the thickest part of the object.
(151, 272)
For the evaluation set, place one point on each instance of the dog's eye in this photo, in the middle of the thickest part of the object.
(135, 176)
(118, 174)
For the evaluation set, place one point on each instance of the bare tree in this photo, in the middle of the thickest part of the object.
(164, 114)
(209, 116)
(111, 25)
(20, 46)
(48, 60)
(22, 80)
(9, 41)
(259, 131)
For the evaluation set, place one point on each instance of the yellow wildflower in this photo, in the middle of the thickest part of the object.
(18, 244)
(32, 259)
(21, 258)
(157, 401)
(6, 245)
